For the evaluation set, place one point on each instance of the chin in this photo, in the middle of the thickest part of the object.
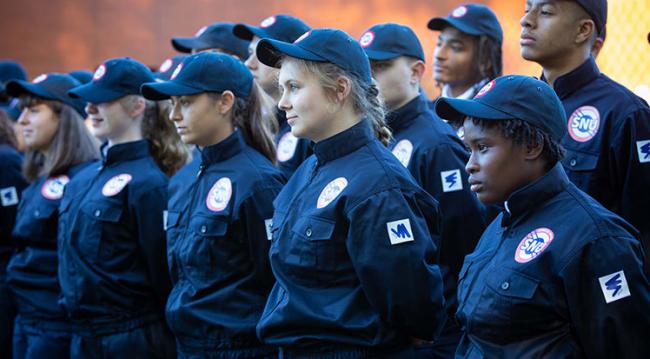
(528, 54)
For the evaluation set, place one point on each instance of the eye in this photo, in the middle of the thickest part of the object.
(34, 109)
(293, 87)
(481, 148)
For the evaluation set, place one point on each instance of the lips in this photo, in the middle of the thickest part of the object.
(474, 185)
(291, 120)
(526, 39)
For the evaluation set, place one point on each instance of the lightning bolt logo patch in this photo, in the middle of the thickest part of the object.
(614, 286)
(644, 150)
(451, 181)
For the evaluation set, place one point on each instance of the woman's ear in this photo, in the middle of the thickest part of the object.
(343, 88)
(138, 108)
(534, 150)
(226, 102)
(417, 72)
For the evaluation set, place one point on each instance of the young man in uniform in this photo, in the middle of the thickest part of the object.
(608, 139)
(215, 37)
(431, 151)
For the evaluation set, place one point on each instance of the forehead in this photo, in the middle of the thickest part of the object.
(451, 33)
(292, 70)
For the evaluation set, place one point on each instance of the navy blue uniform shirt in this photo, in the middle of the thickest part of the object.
(555, 276)
(608, 143)
(436, 157)
(32, 270)
(112, 264)
(218, 240)
(12, 183)
(354, 252)
(291, 151)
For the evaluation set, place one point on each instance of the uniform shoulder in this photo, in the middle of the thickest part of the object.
(259, 170)
(625, 98)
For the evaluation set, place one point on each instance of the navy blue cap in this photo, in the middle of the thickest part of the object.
(388, 41)
(320, 45)
(11, 108)
(51, 86)
(511, 97)
(472, 19)
(278, 27)
(11, 70)
(83, 76)
(597, 9)
(218, 35)
(114, 79)
(167, 67)
(203, 72)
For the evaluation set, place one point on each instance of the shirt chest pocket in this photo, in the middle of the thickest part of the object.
(43, 223)
(313, 245)
(205, 251)
(99, 228)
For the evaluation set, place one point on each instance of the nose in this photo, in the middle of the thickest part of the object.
(175, 113)
(439, 53)
(527, 21)
(22, 120)
(471, 166)
(251, 62)
(284, 104)
(91, 108)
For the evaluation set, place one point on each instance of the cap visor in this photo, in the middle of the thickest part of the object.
(187, 44)
(94, 94)
(375, 55)
(456, 110)
(244, 32)
(439, 23)
(269, 52)
(163, 90)
(16, 88)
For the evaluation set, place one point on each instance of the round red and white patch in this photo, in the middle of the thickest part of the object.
(201, 31)
(403, 150)
(166, 65)
(331, 191)
(100, 72)
(269, 21)
(533, 244)
(367, 39)
(584, 123)
(459, 12)
(219, 195)
(116, 184)
(53, 187)
(287, 147)
(39, 78)
(302, 37)
(177, 70)
(485, 89)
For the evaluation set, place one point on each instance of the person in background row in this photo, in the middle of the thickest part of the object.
(555, 274)
(433, 154)
(166, 69)
(219, 211)
(215, 37)
(291, 151)
(112, 267)
(355, 240)
(58, 147)
(83, 76)
(12, 70)
(12, 184)
(468, 53)
(608, 137)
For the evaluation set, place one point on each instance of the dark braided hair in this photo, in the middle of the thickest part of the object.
(488, 58)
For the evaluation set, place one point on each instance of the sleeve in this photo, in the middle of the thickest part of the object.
(12, 183)
(258, 213)
(608, 299)
(393, 244)
(149, 208)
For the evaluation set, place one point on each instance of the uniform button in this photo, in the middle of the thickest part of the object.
(37, 213)
(98, 213)
(308, 232)
(204, 229)
(573, 162)
(505, 285)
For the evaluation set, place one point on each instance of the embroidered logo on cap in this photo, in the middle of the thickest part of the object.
(485, 89)
(166, 65)
(100, 72)
(53, 187)
(302, 37)
(403, 150)
(331, 191)
(643, 147)
(459, 12)
(584, 123)
(366, 39)
(177, 70)
(614, 286)
(201, 31)
(533, 244)
(287, 147)
(115, 185)
(400, 231)
(219, 195)
(39, 78)
(267, 22)
(451, 180)
(9, 196)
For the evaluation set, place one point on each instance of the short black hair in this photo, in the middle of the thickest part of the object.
(523, 133)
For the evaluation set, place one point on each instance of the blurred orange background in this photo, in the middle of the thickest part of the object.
(65, 35)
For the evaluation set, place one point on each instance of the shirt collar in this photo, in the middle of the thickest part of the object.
(535, 193)
(467, 95)
(404, 115)
(344, 142)
(223, 150)
(128, 151)
(569, 83)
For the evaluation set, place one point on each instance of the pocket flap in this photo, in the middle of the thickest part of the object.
(314, 228)
(102, 211)
(209, 226)
(579, 161)
(510, 283)
(44, 212)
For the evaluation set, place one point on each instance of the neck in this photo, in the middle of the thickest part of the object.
(221, 135)
(411, 95)
(134, 133)
(555, 68)
(456, 89)
(341, 121)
